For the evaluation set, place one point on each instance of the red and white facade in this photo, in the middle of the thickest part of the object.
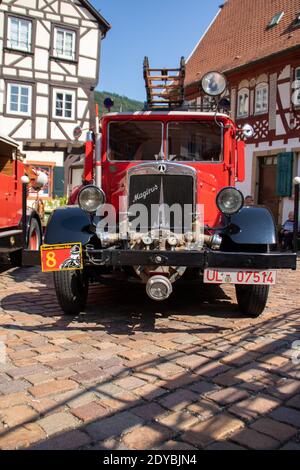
(263, 92)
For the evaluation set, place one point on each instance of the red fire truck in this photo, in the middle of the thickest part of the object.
(139, 165)
(20, 226)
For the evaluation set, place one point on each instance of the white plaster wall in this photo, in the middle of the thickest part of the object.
(41, 128)
(45, 156)
(246, 186)
(89, 44)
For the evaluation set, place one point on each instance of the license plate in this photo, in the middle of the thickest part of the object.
(239, 276)
(61, 257)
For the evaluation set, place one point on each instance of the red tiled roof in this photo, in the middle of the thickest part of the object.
(240, 35)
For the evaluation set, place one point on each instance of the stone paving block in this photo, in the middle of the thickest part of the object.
(279, 431)
(227, 396)
(217, 428)
(53, 387)
(58, 422)
(70, 440)
(146, 437)
(19, 414)
(177, 420)
(89, 412)
(113, 426)
(179, 399)
(21, 437)
(254, 406)
(287, 415)
(255, 440)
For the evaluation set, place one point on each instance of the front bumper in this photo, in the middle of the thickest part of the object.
(194, 259)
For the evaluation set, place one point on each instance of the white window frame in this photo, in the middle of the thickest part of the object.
(296, 87)
(64, 55)
(64, 92)
(261, 86)
(19, 112)
(243, 92)
(19, 46)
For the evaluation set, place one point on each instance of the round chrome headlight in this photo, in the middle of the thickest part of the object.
(91, 198)
(214, 83)
(230, 200)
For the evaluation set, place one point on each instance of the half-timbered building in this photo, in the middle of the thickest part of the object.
(256, 43)
(49, 68)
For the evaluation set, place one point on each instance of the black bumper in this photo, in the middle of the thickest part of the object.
(203, 259)
(193, 259)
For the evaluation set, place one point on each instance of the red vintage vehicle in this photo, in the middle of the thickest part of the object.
(18, 228)
(140, 165)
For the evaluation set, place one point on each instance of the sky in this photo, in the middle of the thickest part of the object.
(164, 30)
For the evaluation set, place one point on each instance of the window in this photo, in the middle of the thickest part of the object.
(19, 33)
(195, 141)
(261, 99)
(19, 99)
(276, 19)
(64, 104)
(135, 140)
(296, 86)
(64, 43)
(243, 103)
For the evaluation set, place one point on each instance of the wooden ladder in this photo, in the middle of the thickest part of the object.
(164, 87)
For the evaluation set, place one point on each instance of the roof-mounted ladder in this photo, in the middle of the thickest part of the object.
(164, 87)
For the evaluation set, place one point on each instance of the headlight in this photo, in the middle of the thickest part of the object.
(230, 200)
(214, 83)
(91, 198)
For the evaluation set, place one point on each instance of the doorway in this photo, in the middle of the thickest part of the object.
(267, 185)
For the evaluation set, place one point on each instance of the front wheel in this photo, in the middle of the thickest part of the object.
(252, 299)
(71, 289)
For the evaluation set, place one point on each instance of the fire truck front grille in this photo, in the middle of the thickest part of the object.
(158, 192)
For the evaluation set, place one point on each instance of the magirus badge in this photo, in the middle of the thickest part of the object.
(162, 168)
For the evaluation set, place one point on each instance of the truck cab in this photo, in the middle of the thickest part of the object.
(17, 230)
(161, 205)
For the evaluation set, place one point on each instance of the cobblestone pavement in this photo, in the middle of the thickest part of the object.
(133, 374)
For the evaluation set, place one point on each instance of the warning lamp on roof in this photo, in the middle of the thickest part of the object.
(108, 103)
(214, 83)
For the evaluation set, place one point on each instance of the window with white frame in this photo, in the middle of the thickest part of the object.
(243, 103)
(19, 32)
(261, 98)
(64, 104)
(19, 99)
(64, 43)
(296, 87)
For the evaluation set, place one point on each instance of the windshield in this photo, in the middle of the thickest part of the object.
(135, 140)
(195, 141)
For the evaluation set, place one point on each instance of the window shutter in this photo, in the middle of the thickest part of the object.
(58, 181)
(284, 174)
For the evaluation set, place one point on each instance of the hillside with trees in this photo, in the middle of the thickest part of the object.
(121, 103)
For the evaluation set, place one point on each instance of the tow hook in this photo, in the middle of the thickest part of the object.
(159, 288)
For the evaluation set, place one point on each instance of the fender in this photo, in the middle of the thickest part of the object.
(68, 224)
(31, 214)
(253, 226)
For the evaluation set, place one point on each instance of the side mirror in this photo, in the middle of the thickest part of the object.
(240, 171)
(77, 132)
(248, 131)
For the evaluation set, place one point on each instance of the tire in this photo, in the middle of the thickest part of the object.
(252, 299)
(71, 289)
(34, 236)
(34, 242)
